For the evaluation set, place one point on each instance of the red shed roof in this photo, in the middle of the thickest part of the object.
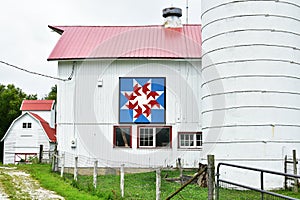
(51, 132)
(34, 105)
(92, 42)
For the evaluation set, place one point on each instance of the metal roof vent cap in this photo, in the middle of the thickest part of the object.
(172, 16)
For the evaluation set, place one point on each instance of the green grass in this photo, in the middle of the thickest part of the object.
(289, 193)
(7, 185)
(137, 186)
(12, 187)
(228, 194)
(53, 181)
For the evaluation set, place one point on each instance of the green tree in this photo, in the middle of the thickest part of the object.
(52, 94)
(10, 102)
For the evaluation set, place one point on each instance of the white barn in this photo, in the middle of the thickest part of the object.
(130, 96)
(30, 130)
(233, 93)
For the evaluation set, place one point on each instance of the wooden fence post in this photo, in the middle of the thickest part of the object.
(41, 154)
(76, 168)
(180, 170)
(95, 174)
(285, 171)
(187, 183)
(54, 159)
(62, 165)
(211, 176)
(122, 180)
(295, 171)
(53, 162)
(158, 183)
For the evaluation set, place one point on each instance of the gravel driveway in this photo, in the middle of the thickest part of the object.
(24, 186)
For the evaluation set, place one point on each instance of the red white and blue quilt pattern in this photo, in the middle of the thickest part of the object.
(142, 100)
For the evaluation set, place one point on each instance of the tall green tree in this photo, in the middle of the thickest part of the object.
(52, 94)
(11, 99)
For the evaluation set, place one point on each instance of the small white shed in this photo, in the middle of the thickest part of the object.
(28, 132)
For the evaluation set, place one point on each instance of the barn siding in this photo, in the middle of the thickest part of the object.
(19, 140)
(95, 110)
(46, 115)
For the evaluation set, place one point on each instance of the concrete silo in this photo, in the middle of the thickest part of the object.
(251, 87)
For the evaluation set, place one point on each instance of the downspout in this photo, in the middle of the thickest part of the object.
(74, 106)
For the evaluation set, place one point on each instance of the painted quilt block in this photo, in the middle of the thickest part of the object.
(142, 100)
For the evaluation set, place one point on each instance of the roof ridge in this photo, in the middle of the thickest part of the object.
(150, 25)
(38, 101)
(41, 105)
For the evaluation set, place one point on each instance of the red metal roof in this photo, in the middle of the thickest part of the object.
(34, 105)
(51, 132)
(82, 42)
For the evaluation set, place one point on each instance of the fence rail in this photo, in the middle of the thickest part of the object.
(261, 190)
(294, 163)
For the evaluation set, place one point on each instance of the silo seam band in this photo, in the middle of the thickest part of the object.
(241, 107)
(246, 30)
(248, 91)
(251, 125)
(249, 60)
(244, 1)
(249, 45)
(251, 76)
(250, 15)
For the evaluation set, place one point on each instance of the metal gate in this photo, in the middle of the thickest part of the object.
(260, 189)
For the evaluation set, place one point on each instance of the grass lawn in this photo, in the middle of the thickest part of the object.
(52, 181)
(137, 186)
(227, 194)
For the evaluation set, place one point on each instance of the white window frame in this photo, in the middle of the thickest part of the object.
(27, 125)
(181, 144)
(153, 136)
(154, 128)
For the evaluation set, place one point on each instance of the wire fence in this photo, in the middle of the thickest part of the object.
(122, 181)
(97, 176)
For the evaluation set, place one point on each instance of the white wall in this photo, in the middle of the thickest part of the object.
(251, 83)
(20, 140)
(95, 110)
(45, 114)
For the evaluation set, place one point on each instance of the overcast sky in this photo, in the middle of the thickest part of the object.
(26, 40)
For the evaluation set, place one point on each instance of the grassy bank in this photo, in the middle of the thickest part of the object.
(54, 182)
(137, 186)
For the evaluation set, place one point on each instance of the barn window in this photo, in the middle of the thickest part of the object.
(190, 139)
(155, 136)
(26, 125)
(122, 136)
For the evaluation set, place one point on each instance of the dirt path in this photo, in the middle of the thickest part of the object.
(17, 184)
